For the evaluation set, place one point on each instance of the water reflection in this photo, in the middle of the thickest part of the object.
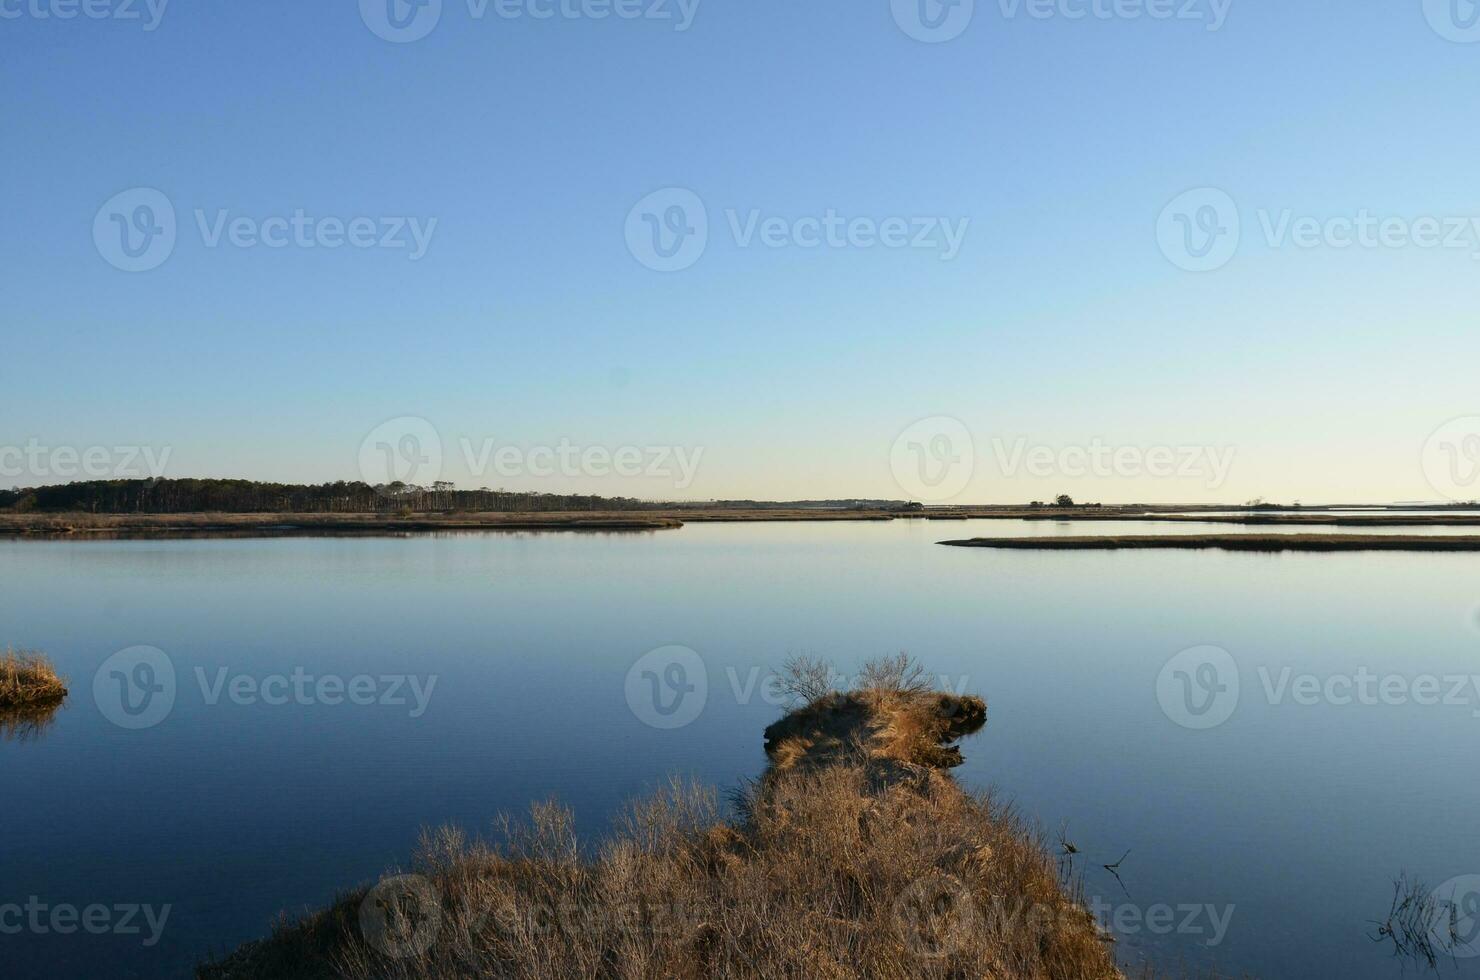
(1432, 926)
(27, 723)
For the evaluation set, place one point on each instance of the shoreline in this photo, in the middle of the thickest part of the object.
(1233, 542)
(89, 526)
(54, 525)
(856, 815)
(1294, 520)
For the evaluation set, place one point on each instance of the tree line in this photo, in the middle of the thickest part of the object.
(250, 496)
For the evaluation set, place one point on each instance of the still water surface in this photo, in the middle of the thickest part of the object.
(1290, 820)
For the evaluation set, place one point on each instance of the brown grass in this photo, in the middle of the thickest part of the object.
(28, 679)
(1248, 541)
(855, 855)
(86, 525)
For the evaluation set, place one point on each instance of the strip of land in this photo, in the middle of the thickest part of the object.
(272, 525)
(1317, 520)
(1235, 542)
(268, 524)
(145, 524)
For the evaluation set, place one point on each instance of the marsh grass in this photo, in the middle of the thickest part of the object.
(28, 680)
(28, 722)
(855, 855)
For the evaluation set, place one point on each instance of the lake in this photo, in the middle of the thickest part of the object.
(331, 696)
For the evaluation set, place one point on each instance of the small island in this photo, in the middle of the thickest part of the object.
(28, 680)
(854, 854)
(31, 692)
(1233, 542)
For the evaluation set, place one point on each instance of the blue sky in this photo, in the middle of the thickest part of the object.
(1055, 143)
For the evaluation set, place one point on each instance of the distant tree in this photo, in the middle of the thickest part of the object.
(1063, 500)
(245, 496)
(804, 678)
(1035, 505)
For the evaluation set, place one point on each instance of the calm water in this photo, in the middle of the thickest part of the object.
(1290, 820)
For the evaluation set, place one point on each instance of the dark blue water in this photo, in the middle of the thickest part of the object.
(1289, 820)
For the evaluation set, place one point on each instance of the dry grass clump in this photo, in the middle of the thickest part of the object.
(856, 855)
(893, 719)
(28, 679)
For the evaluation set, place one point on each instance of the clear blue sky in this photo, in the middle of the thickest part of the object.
(528, 320)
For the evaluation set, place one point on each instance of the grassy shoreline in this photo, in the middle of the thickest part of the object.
(83, 525)
(854, 855)
(28, 680)
(1233, 542)
(1296, 520)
